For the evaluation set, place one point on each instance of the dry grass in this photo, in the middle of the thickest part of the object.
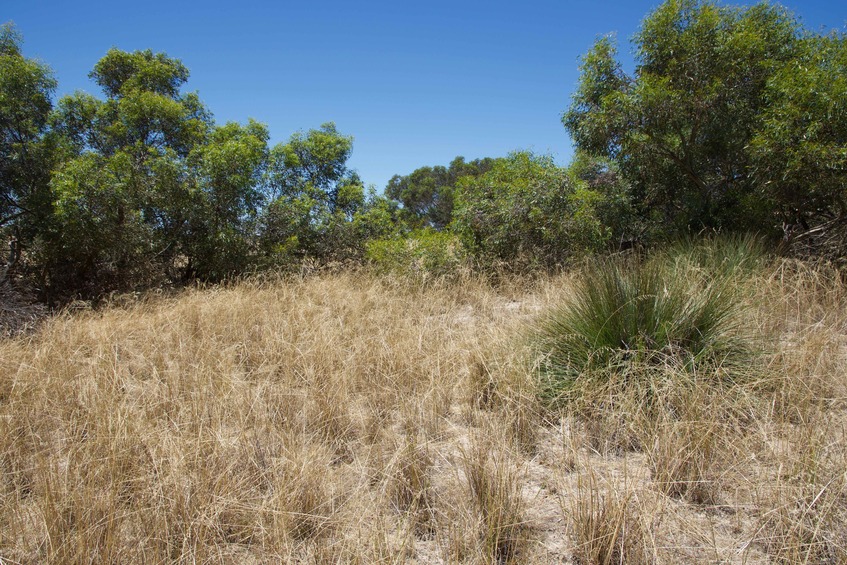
(355, 419)
(607, 524)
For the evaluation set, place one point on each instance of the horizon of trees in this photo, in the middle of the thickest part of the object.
(734, 119)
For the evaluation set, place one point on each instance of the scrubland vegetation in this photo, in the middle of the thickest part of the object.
(351, 417)
(214, 350)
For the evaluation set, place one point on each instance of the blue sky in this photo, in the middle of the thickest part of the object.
(415, 83)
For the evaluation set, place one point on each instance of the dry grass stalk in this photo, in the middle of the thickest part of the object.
(606, 525)
(495, 490)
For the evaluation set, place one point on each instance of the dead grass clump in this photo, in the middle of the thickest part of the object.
(494, 489)
(509, 392)
(606, 525)
(305, 501)
(409, 486)
(683, 460)
(19, 313)
(807, 526)
(804, 315)
(614, 417)
(242, 423)
(799, 381)
(694, 438)
(804, 509)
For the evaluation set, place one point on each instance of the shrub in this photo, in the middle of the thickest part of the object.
(527, 212)
(680, 308)
(425, 253)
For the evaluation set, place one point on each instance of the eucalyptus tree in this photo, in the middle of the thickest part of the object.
(315, 196)
(26, 151)
(155, 191)
(799, 150)
(680, 127)
(427, 194)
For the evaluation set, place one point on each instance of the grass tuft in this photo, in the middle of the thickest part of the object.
(495, 491)
(606, 526)
(681, 309)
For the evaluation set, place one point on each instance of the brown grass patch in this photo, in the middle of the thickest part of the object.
(349, 418)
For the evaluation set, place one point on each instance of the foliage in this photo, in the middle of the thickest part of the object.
(26, 154)
(616, 209)
(679, 309)
(800, 148)
(142, 188)
(311, 160)
(424, 253)
(315, 197)
(527, 211)
(127, 201)
(680, 127)
(229, 171)
(733, 119)
(427, 193)
(98, 237)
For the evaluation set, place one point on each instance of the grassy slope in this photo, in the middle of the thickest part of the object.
(352, 419)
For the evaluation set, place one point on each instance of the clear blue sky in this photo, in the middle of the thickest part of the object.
(416, 83)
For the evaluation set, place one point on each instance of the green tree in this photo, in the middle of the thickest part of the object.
(528, 212)
(427, 193)
(154, 190)
(98, 239)
(615, 210)
(315, 196)
(26, 151)
(313, 161)
(229, 171)
(129, 177)
(679, 128)
(800, 148)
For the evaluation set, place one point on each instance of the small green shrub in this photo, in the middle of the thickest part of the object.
(425, 253)
(679, 308)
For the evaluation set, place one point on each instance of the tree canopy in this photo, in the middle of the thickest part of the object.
(696, 129)
(427, 193)
(26, 153)
(141, 187)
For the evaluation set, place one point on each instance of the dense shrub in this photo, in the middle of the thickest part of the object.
(527, 212)
(425, 253)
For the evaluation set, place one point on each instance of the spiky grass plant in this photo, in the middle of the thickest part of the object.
(626, 315)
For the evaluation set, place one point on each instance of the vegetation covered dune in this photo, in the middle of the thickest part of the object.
(434, 394)
(348, 418)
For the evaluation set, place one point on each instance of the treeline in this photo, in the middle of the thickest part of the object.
(733, 119)
(141, 187)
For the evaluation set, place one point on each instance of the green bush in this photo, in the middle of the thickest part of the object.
(526, 212)
(425, 253)
(680, 308)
